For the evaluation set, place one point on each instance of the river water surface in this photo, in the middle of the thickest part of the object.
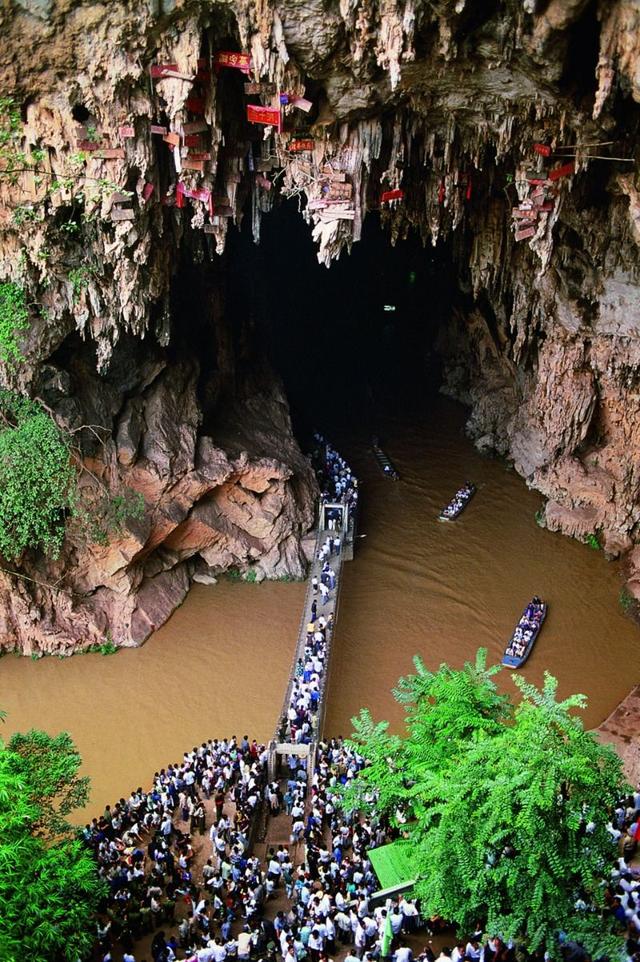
(417, 586)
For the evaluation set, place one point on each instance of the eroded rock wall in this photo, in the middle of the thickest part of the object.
(446, 119)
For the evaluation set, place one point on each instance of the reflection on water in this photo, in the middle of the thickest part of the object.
(220, 665)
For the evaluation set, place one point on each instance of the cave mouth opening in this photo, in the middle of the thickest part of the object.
(351, 341)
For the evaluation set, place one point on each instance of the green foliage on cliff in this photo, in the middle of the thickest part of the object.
(506, 807)
(14, 318)
(49, 886)
(37, 478)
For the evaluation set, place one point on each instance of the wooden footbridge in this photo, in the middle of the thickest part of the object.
(337, 513)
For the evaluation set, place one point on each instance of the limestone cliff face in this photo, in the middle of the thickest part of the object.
(471, 122)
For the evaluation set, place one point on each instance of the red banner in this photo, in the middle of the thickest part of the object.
(392, 195)
(228, 58)
(298, 146)
(264, 115)
(565, 171)
(542, 149)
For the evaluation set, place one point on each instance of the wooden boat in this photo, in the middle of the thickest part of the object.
(510, 658)
(458, 503)
(385, 462)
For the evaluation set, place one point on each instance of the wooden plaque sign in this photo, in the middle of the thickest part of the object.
(524, 233)
(172, 139)
(189, 164)
(195, 127)
(392, 195)
(158, 129)
(122, 213)
(126, 131)
(111, 153)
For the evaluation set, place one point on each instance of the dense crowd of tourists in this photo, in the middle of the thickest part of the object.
(306, 901)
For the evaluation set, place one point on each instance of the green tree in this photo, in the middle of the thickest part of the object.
(445, 711)
(506, 812)
(49, 765)
(49, 884)
(14, 319)
(37, 478)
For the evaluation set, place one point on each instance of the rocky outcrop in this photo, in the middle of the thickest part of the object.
(244, 501)
(463, 121)
(621, 729)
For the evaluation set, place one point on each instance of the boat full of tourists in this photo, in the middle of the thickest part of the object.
(524, 637)
(385, 462)
(458, 502)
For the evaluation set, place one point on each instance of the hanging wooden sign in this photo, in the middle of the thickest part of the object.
(172, 138)
(229, 58)
(565, 171)
(193, 193)
(340, 192)
(158, 129)
(188, 163)
(520, 213)
(122, 213)
(193, 140)
(147, 191)
(126, 131)
(264, 115)
(299, 145)
(252, 89)
(166, 71)
(389, 195)
(330, 215)
(111, 153)
(88, 146)
(302, 104)
(524, 233)
(542, 149)
(194, 127)
(203, 155)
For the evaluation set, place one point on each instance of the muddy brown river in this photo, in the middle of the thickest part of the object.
(417, 586)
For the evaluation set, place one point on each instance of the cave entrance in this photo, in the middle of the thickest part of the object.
(350, 341)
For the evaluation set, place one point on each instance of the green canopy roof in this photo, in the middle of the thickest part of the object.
(392, 864)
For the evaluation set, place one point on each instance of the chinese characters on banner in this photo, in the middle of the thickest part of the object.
(264, 115)
(227, 58)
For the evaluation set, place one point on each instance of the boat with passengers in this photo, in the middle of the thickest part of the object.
(383, 459)
(524, 637)
(458, 502)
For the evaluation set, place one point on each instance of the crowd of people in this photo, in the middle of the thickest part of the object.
(306, 901)
(146, 857)
(527, 627)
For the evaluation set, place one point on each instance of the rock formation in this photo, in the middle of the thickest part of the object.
(489, 128)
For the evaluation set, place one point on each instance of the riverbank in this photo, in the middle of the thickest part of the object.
(622, 730)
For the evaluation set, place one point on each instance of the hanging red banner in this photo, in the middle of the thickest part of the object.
(542, 149)
(300, 145)
(392, 195)
(228, 58)
(565, 171)
(264, 115)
